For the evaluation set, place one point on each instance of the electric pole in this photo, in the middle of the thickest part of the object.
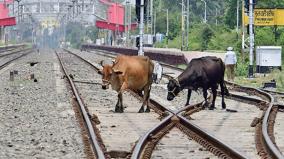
(251, 39)
(141, 27)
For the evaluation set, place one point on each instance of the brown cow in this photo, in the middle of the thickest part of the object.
(129, 72)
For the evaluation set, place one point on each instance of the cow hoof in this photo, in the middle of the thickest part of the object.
(205, 105)
(211, 108)
(223, 106)
(141, 111)
(119, 111)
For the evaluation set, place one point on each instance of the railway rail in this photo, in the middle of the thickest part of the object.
(217, 151)
(4, 49)
(21, 53)
(272, 149)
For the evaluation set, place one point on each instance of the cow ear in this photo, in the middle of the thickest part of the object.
(113, 62)
(117, 72)
(101, 63)
(177, 82)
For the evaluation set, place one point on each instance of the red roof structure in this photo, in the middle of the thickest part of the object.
(115, 17)
(5, 20)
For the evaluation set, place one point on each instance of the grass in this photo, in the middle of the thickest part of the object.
(258, 81)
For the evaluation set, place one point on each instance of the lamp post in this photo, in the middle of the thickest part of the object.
(73, 1)
(18, 9)
(167, 33)
(141, 28)
(205, 20)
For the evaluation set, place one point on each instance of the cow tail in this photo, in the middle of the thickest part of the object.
(226, 91)
(150, 72)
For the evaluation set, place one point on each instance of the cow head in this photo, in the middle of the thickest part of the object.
(173, 89)
(108, 74)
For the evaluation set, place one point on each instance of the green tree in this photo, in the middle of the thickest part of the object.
(206, 35)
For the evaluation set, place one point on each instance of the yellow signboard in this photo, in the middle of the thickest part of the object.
(266, 17)
(49, 22)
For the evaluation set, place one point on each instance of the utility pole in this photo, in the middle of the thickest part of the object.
(205, 10)
(155, 16)
(18, 9)
(216, 15)
(237, 28)
(73, 1)
(184, 24)
(141, 27)
(251, 39)
(127, 21)
(167, 33)
(243, 29)
(187, 24)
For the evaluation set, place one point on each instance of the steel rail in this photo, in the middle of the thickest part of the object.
(10, 61)
(15, 51)
(227, 149)
(10, 47)
(272, 148)
(273, 92)
(142, 142)
(137, 152)
(95, 145)
(274, 151)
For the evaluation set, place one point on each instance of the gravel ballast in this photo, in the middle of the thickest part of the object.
(37, 119)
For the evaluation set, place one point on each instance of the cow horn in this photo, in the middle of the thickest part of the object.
(176, 81)
(101, 63)
(113, 62)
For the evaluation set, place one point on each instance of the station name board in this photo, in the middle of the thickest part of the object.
(267, 17)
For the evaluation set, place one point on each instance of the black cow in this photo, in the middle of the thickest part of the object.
(205, 72)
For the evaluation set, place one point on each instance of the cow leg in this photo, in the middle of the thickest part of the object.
(147, 94)
(119, 106)
(205, 97)
(188, 97)
(224, 91)
(124, 85)
(214, 92)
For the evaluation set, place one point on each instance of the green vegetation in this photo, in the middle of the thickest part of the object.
(218, 37)
(258, 82)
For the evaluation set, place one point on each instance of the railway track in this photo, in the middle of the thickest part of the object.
(183, 124)
(272, 150)
(8, 58)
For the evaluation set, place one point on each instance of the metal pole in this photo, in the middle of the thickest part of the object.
(151, 15)
(129, 24)
(167, 22)
(205, 15)
(237, 28)
(182, 25)
(13, 8)
(167, 33)
(155, 12)
(205, 12)
(243, 29)
(216, 15)
(251, 39)
(141, 27)
(187, 23)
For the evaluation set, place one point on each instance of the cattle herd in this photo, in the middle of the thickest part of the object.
(136, 73)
